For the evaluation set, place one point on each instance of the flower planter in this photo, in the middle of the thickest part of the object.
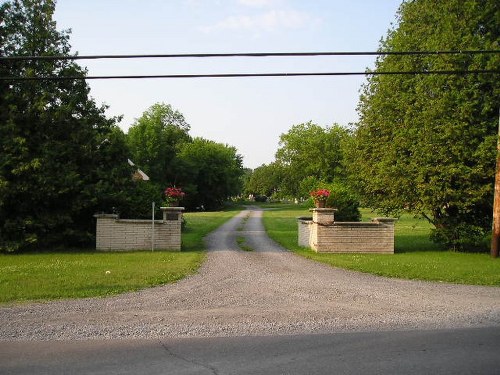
(320, 204)
(173, 196)
(320, 197)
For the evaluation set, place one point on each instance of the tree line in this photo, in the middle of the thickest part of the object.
(424, 143)
(62, 160)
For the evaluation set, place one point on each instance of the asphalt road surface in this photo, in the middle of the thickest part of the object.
(459, 351)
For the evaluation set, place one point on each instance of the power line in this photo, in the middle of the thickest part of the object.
(248, 54)
(250, 75)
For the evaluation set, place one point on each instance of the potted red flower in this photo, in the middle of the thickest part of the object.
(320, 197)
(173, 195)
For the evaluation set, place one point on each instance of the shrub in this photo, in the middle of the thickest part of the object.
(260, 198)
(345, 201)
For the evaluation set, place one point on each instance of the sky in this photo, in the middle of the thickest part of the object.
(247, 113)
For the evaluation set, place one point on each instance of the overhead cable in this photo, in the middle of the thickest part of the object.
(246, 54)
(249, 75)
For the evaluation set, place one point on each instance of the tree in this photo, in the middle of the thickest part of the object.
(210, 173)
(308, 150)
(426, 143)
(53, 164)
(155, 139)
(265, 180)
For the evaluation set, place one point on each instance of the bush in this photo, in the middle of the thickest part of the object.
(137, 204)
(345, 201)
(260, 198)
(342, 199)
(461, 237)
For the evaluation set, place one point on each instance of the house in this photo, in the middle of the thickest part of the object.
(138, 174)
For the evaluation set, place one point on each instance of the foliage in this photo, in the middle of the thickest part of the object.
(155, 140)
(265, 180)
(416, 256)
(342, 198)
(320, 195)
(138, 201)
(173, 194)
(260, 198)
(308, 150)
(345, 201)
(309, 184)
(245, 179)
(210, 173)
(61, 159)
(427, 143)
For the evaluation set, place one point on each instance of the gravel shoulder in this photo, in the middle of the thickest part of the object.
(267, 291)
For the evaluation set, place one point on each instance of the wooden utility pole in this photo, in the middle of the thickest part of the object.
(495, 235)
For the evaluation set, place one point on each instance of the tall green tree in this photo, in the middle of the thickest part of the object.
(265, 180)
(426, 142)
(155, 139)
(55, 141)
(210, 173)
(309, 150)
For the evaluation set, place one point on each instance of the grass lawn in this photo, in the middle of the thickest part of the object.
(416, 257)
(55, 275)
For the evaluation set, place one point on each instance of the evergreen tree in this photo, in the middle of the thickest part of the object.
(427, 142)
(61, 159)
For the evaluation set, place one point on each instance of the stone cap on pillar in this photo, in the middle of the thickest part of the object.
(172, 213)
(111, 216)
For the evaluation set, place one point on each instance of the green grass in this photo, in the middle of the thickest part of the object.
(48, 276)
(199, 224)
(416, 257)
(56, 275)
(241, 241)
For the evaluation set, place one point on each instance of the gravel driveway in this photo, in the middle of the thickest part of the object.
(267, 291)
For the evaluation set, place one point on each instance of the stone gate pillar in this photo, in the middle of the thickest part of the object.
(323, 216)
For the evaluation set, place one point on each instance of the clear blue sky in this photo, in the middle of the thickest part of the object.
(248, 113)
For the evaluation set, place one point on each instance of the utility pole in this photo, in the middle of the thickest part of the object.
(495, 235)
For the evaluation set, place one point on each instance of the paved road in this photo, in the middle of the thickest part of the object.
(459, 351)
(267, 291)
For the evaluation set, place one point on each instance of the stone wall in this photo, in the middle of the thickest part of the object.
(113, 233)
(324, 235)
(305, 226)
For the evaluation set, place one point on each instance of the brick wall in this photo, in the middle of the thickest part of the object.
(324, 235)
(304, 233)
(113, 233)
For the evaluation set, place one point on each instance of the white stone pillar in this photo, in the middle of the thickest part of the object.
(172, 213)
(323, 216)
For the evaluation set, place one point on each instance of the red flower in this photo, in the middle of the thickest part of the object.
(320, 194)
(174, 193)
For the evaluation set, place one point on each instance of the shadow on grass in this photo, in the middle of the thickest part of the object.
(411, 243)
(54, 250)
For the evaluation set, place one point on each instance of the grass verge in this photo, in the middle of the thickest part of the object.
(416, 257)
(48, 276)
